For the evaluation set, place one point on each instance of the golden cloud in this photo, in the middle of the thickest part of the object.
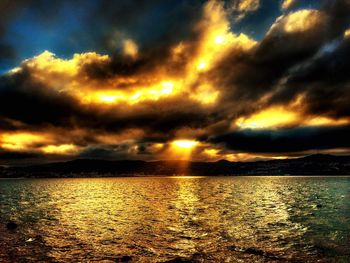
(286, 4)
(276, 117)
(130, 48)
(299, 21)
(239, 8)
(248, 5)
(347, 33)
(35, 142)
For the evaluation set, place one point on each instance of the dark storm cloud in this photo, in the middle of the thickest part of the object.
(122, 65)
(245, 77)
(121, 151)
(9, 125)
(143, 149)
(338, 11)
(22, 99)
(323, 78)
(285, 141)
(324, 81)
(106, 152)
(150, 19)
(176, 23)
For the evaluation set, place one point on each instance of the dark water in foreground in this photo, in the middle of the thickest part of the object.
(158, 219)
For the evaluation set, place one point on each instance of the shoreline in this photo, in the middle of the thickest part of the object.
(173, 176)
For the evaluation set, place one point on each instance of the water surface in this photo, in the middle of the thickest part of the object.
(158, 219)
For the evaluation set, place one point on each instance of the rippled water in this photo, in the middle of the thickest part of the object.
(158, 219)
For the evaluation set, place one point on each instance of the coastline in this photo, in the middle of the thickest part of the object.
(173, 176)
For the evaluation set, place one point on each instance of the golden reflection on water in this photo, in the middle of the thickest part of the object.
(160, 218)
(185, 215)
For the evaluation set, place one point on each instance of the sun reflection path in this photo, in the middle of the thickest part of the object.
(186, 222)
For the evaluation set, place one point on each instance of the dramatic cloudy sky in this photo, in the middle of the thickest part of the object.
(173, 79)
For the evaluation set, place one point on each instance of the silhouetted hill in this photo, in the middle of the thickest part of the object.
(310, 165)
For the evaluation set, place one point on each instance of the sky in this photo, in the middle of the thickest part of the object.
(197, 80)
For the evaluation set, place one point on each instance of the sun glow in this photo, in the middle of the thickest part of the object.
(219, 39)
(181, 149)
(201, 66)
(185, 144)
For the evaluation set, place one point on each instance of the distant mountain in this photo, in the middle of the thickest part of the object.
(318, 164)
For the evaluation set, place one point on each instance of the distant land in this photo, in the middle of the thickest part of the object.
(318, 164)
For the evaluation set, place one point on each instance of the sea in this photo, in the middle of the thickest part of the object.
(176, 219)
